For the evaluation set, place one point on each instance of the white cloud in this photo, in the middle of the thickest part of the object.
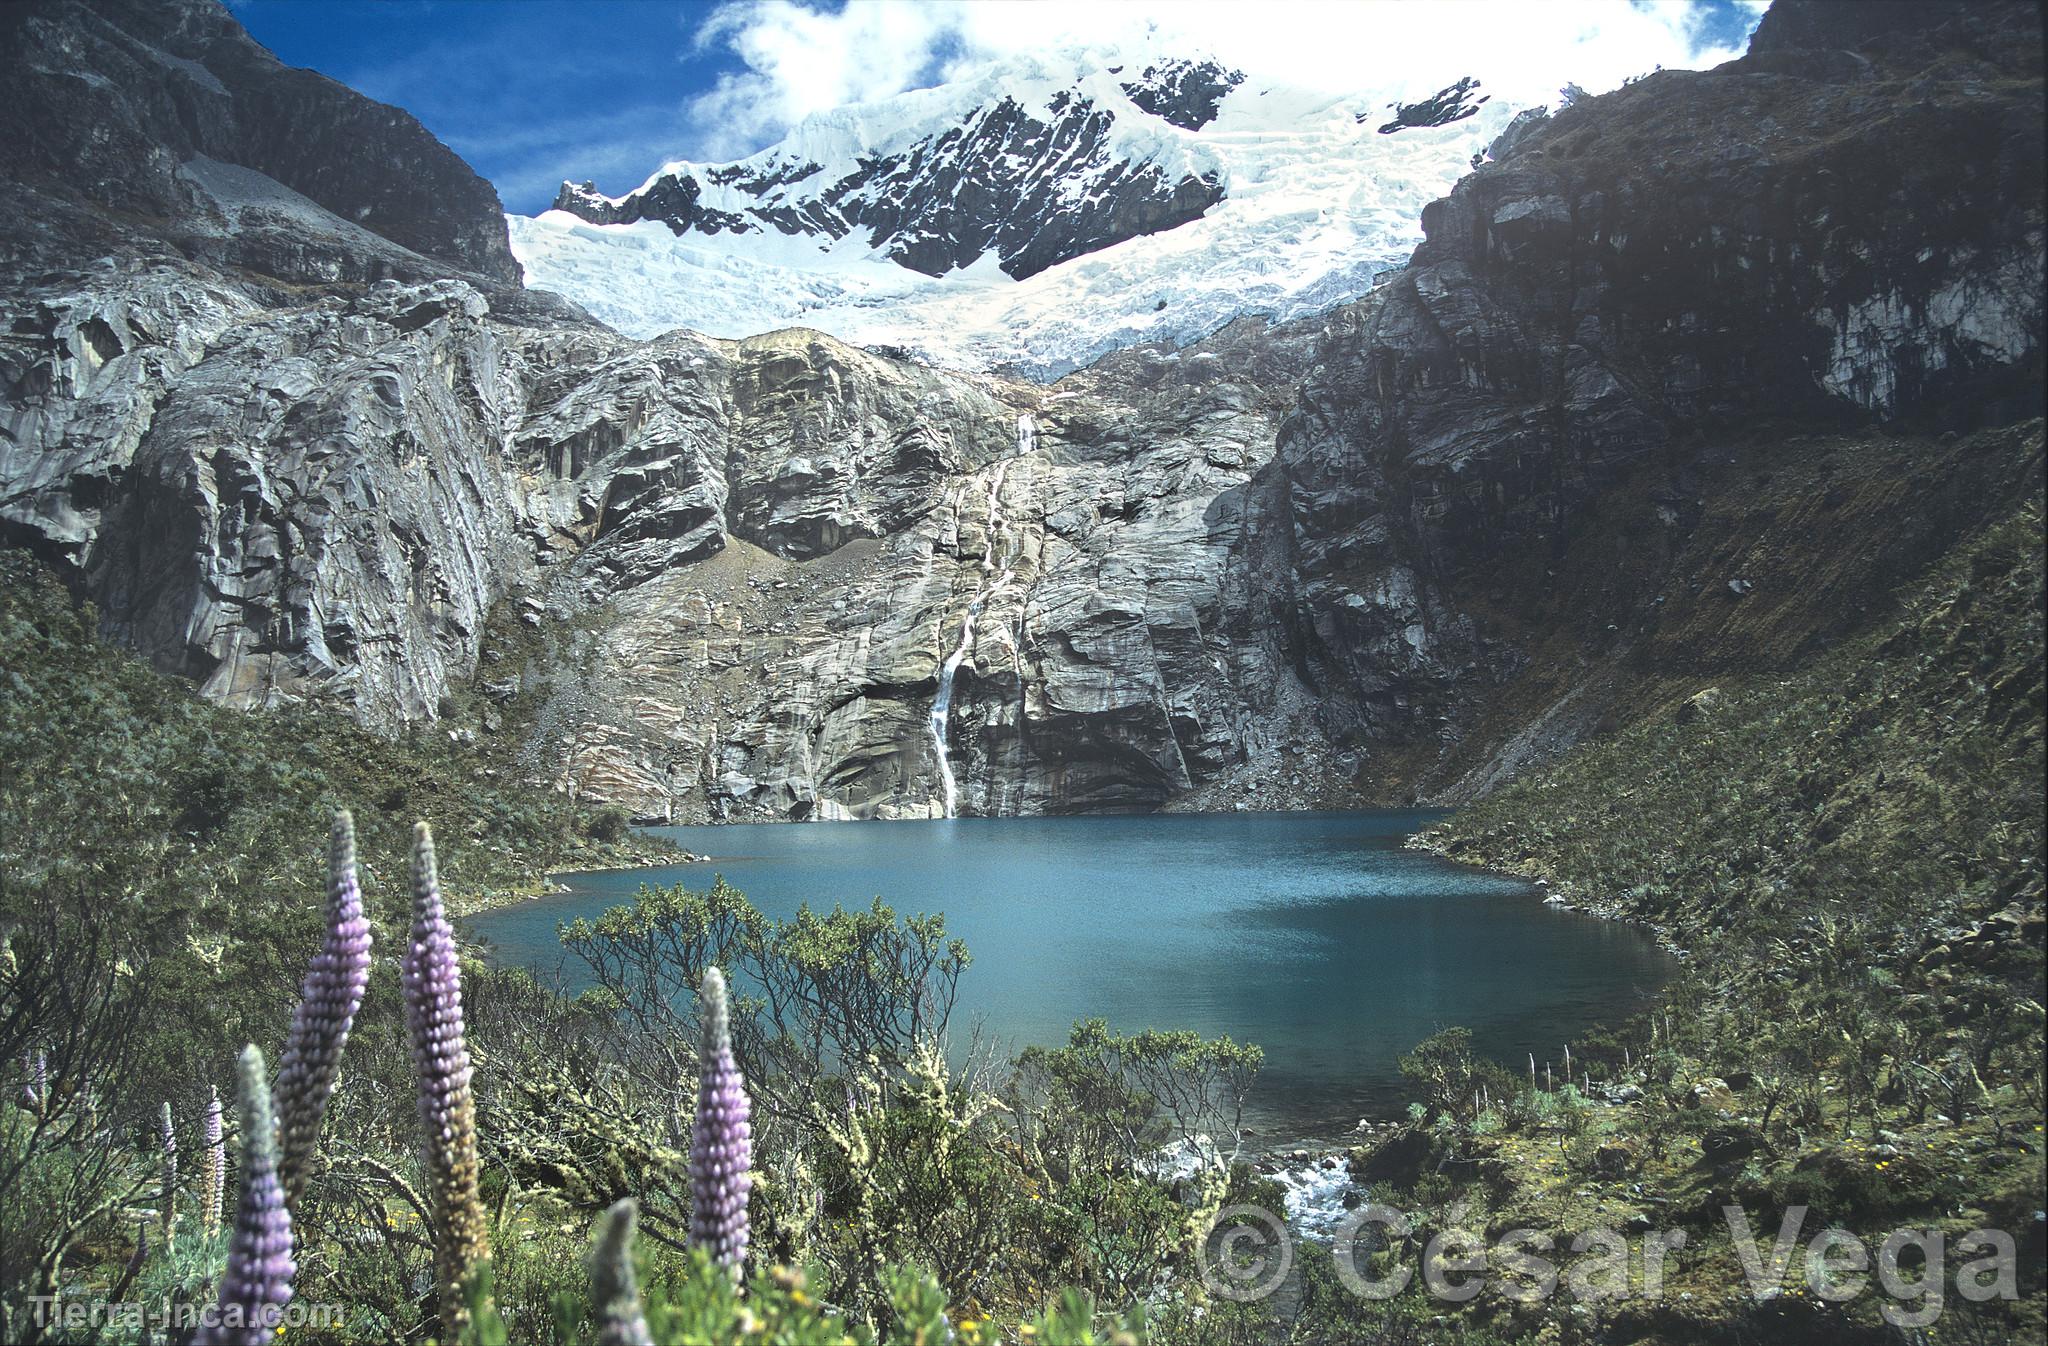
(801, 60)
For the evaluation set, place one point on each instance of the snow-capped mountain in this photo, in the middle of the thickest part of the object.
(1032, 217)
(1035, 176)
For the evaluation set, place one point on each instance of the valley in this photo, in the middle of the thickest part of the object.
(1562, 570)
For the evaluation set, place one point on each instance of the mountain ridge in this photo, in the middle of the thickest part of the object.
(1029, 176)
(178, 79)
(1026, 218)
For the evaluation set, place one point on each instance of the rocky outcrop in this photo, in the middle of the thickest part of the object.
(279, 504)
(1453, 103)
(1185, 93)
(869, 505)
(111, 103)
(1030, 182)
(1816, 235)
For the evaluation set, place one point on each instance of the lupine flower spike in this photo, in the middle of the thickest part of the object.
(328, 1001)
(613, 1290)
(721, 1139)
(169, 1213)
(214, 1170)
(258, 1281)
(432, 976)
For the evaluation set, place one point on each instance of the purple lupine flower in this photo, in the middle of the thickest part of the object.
(214, 1170)
(328, 1001)
(258, 1281)
(721, 1138)
(432, 978)
(614, 1291)
(169, 1213)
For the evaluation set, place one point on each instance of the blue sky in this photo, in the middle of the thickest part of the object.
(531, 92)
(528, 91)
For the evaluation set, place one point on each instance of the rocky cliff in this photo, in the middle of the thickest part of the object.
(730, 572)
(1845, 228)
(299, 444)
(140, 118)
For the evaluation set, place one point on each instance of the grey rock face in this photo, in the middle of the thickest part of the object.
(868, 504)
(277, 504)
(746, 562)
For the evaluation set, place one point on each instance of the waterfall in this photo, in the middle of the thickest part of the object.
(942, 705)
(1002, 571)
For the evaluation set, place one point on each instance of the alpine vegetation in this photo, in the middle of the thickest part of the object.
(721, 1139)
(432, 977)
(328, 1001)
(404, 1246)
(258, 1281)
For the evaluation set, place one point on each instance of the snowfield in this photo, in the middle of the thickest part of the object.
(1317, 203)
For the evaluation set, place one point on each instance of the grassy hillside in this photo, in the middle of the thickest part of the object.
(166, 832)
(1848, 849)
(106, 752)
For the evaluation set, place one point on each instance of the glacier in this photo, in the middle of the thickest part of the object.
(1316, 204)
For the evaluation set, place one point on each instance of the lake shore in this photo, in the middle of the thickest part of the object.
(1277, 1151)
(1248, 925)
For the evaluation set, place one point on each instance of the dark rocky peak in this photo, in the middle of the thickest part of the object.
(671, 198)
(1801, 25)
(1695, 251)
(1454, 104)
(1817, 39)
(1034, 192)
(1186, 93)
(108, 102)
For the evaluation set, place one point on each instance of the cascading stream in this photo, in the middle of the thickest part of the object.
(1002, 573)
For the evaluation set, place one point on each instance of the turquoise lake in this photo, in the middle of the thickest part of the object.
(1315, 935)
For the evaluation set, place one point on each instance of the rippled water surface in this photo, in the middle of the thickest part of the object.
(1314, 935)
